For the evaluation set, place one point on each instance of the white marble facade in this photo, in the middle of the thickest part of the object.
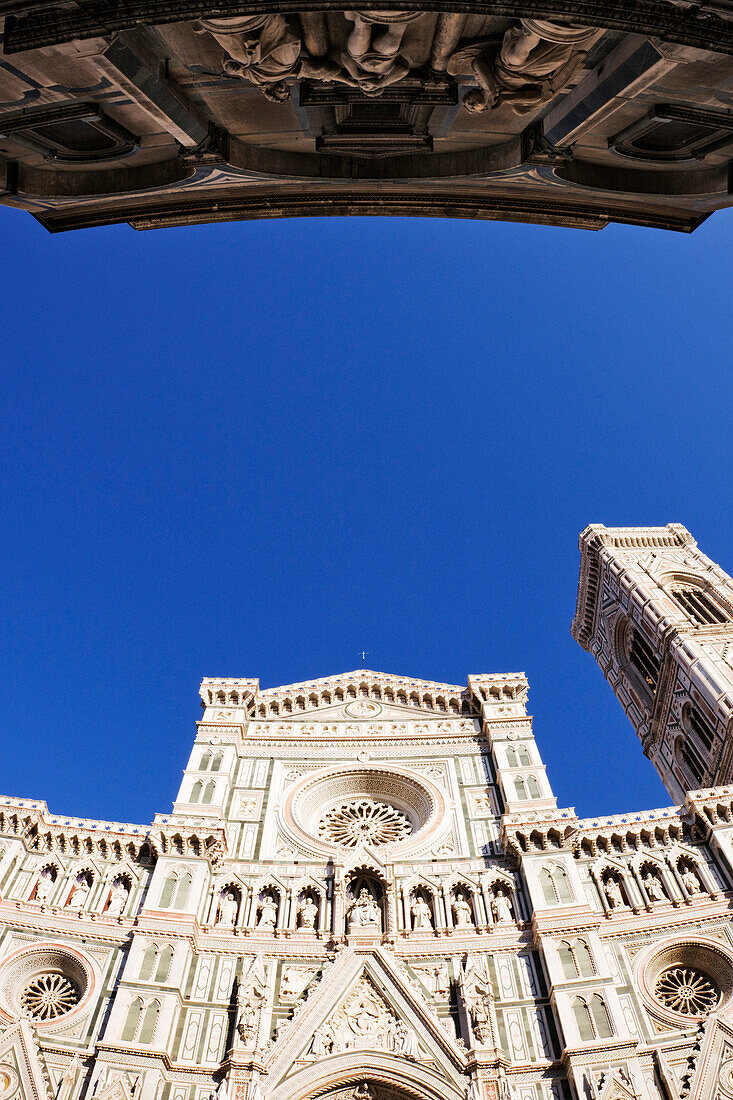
(366, 891)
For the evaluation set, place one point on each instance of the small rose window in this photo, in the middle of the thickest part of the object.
(48, 996)
(688, 990)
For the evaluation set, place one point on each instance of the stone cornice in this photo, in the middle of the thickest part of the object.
(31, 822)
(111, 842)
(292, 700)
(236, 693)
(538, 831)
(591, 542)
(297, 701)
(629, 832)
(32, 25)
(710, 807)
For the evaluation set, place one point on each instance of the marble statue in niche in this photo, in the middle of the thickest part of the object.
(614, 894)
(364, 913)
(118, 898)
(653, 887)
(267, 913)
(477, 993)
(307, 914)
(691, 880)
(462, 914)
(80, 892)
(228, 910)
(251, 996)
(501, 907)
(422, 917)
(536, 60)
(46, 883)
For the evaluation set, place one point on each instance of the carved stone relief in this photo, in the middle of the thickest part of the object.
(364, 1022)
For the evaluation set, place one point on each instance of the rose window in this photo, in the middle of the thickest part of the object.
(364, 822)
(686, 989)
(48, 996)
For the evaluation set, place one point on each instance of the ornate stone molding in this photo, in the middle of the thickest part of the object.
(704, 29)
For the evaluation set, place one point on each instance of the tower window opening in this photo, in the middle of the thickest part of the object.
(700, 606)
(692, 760)
(645, 660)
(701, 728)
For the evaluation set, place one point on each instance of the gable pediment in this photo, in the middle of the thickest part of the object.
(21, 1060)
(364, 695)
(366, 1005)
(713, 1071)
(617, 1087)
(117, 1089)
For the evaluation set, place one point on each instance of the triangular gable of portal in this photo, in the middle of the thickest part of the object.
(617, 1087)
(363, 999)
(20, 1055)
(116, 1090)
(712, 1075)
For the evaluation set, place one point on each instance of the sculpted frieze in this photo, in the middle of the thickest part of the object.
(371, 52)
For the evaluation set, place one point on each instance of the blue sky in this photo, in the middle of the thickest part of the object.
(255, 449)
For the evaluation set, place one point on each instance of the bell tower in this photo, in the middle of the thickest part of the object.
(657, 615)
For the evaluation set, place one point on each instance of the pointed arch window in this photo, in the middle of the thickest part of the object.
(691, 758)
(181, 896)
(169, 886)
(217, 761)
(208, 793)
(147, 966)
(592, 1018)
(576, 959)
(164, 965)
(533, 787)
(644, 660)
(699, 725)
(600, 1017)
(584, 959)
(547, 883)
(150, 1020)
(583, 1020)
(132, 1022)
(521, 788)
(205, 761)
(555, 884)
(511, 757)
(524, 755)
(567, 961)
(196, 791)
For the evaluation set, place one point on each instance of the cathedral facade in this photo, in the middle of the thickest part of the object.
(366, 890)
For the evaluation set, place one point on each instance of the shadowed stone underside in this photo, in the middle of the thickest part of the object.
(172, 112)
